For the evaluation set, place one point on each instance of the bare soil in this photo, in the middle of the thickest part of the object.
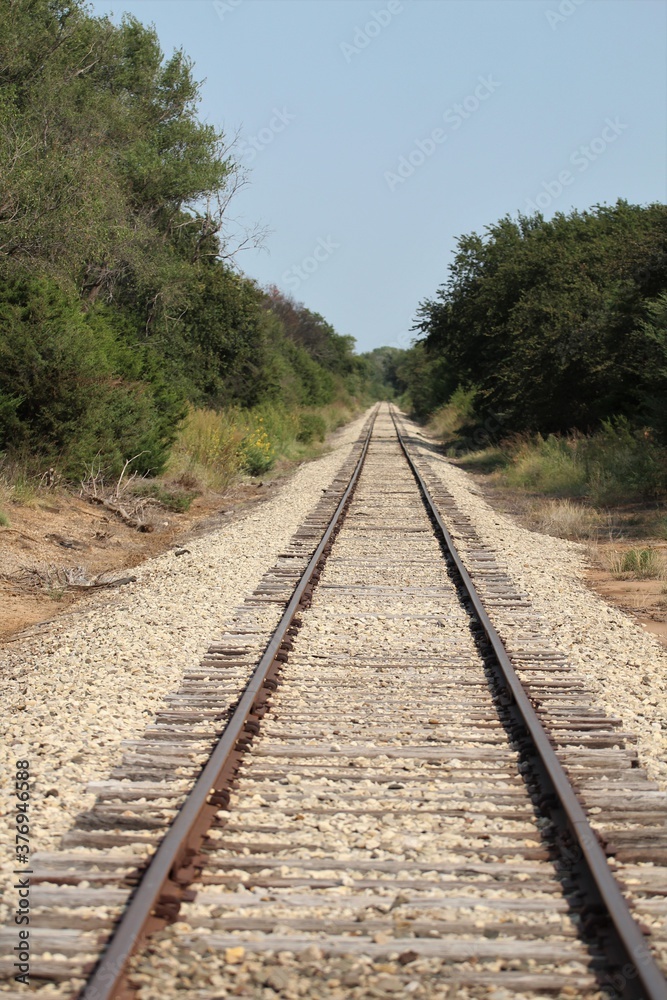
(645, 600)
(60, 532)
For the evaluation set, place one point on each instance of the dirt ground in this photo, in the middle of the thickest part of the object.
(61, 538)
(646, 600)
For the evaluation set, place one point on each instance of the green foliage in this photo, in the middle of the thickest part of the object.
(71, 391)
(642, 563)
(427, 379)
(256, 452)
(551, 465)
(312, 427)
(116, 306)
(622, 463)
(614, 465)
(176, 500)
(559, 324)
(206, 450)
(213, 446)
(101, 153)
(451, 422)
(4, 520)
(382, 367)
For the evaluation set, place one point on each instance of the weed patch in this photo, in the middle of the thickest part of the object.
(639, 564)
(214, 446)
(175, 500)
(486, 460)
(566, 519)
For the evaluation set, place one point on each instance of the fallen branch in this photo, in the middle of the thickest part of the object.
(131, 519)
(23, 534)
(70, 578)
(119, 499)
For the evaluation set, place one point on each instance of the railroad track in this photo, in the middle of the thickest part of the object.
(366, 793)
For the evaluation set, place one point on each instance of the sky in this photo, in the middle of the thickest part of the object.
(376, 133)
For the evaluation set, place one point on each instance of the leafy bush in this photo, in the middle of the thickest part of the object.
(622, 464)
(312, 426)
(448, 421)
(71, 392)
(615, 465)
(550, 465)
(642, 564)
(560, 323)
(107, 328)
(256, 453)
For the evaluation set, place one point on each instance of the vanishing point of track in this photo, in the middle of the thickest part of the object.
(383, 785)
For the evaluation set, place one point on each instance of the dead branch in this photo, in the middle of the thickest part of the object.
(74, 578)
(118, 499)
(117, 493)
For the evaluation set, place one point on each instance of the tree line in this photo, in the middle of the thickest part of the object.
(549, 326)
(120, 304)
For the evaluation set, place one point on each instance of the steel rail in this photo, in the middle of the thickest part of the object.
(108, 978)
(640, 967)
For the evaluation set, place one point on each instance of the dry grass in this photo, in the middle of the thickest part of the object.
(24, 484)
(486, 460)
(566, 519)
(206, 452)
(637, 564)
(214, 447)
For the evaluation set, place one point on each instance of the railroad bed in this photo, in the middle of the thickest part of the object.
(386, 833)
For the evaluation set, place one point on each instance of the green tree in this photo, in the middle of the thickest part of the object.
(546, 319)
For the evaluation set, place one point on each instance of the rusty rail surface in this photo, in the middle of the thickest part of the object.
(178, 859)
(643, 978)
(160, 889)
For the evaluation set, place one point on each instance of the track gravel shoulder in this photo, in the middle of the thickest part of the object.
(96, 678)
(625, 667)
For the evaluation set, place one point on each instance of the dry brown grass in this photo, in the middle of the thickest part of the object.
(637, 564)
(566, 519)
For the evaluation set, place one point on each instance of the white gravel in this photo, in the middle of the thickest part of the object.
(623, 665)
(383, 687)
(96, 678)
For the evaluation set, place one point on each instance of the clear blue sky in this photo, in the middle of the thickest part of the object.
(378, 132)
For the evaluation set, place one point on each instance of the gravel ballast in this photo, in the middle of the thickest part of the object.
(96, 681)
(95, 678)
(623, 665)
(381, 761)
